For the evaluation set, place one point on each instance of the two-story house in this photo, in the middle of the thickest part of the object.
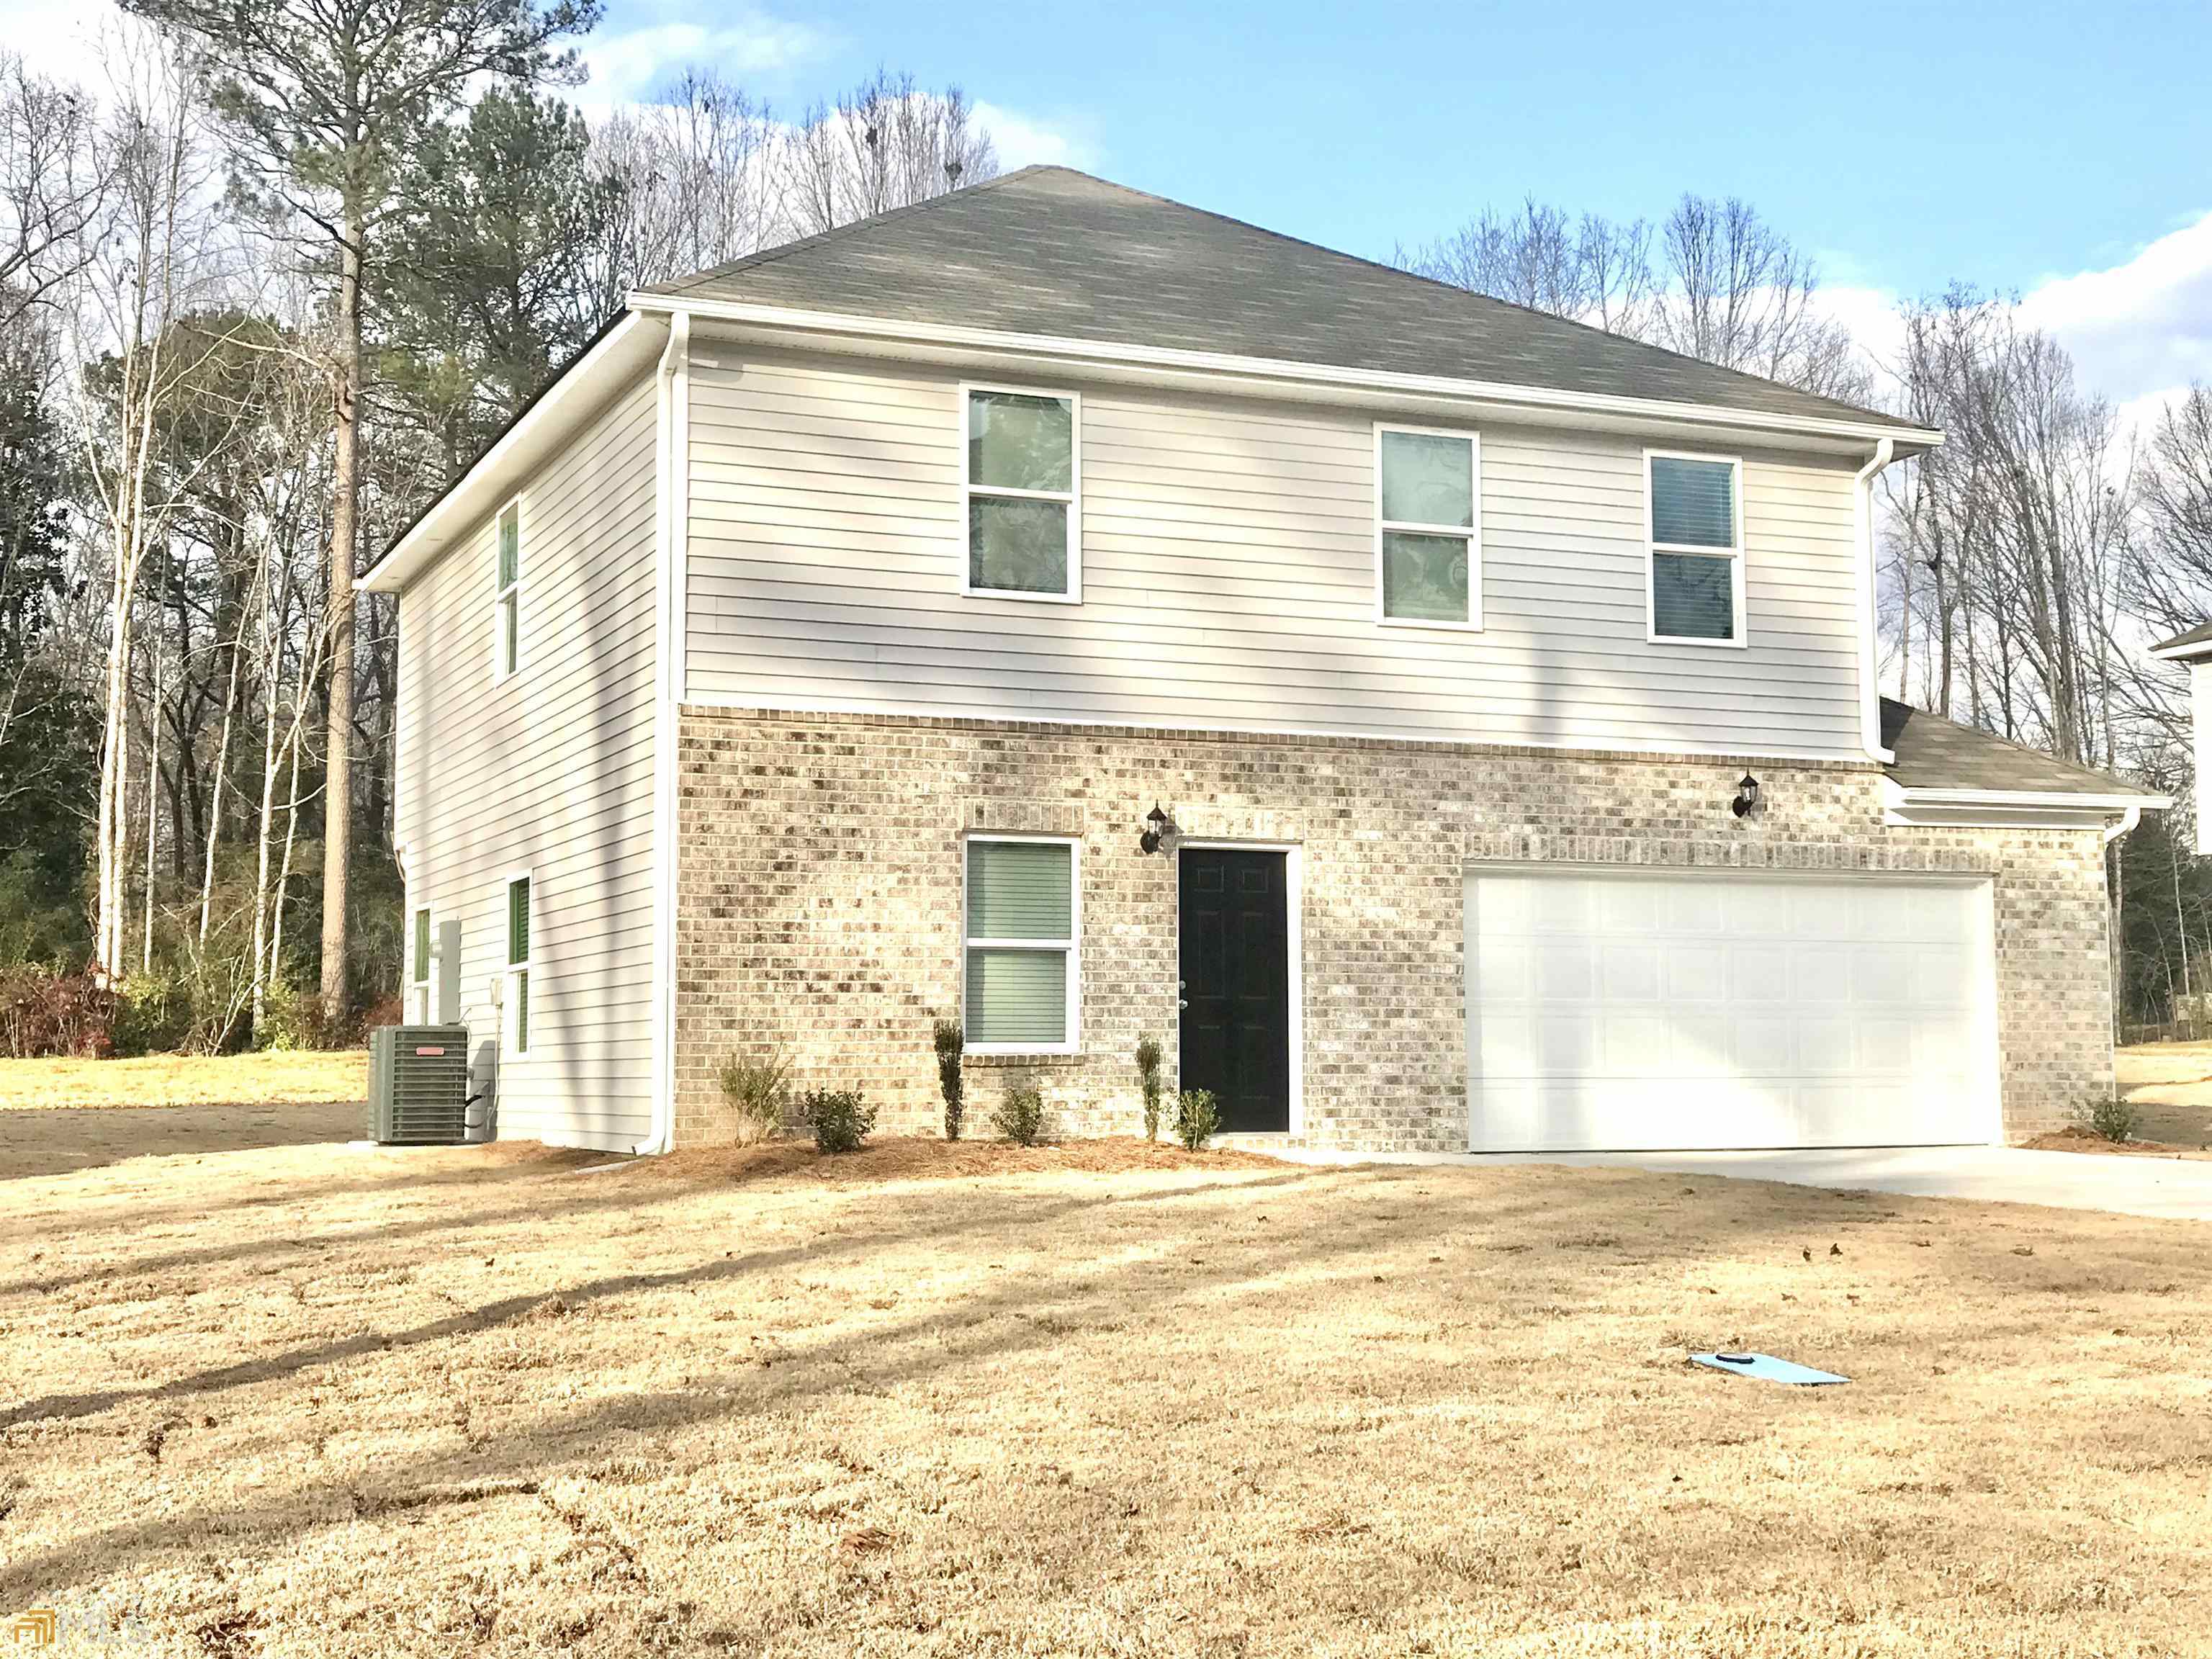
(1443, 726)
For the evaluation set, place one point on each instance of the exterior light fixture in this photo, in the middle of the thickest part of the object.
(1747, 796)
(1156, 830)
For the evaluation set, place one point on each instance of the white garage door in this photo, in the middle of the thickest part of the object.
(1632, 1012)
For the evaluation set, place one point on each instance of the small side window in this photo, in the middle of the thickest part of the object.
(515, 1026)
(1696, 527)
(506, 641)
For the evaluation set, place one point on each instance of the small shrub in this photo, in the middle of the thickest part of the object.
(1148, 1079)
(1196, 1118)
(758, 1089)
(1020, 1116)
(840, 1120)
(951, 1048)
(152, 1015)
(2112, 1119)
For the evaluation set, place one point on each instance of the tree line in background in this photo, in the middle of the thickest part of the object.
(269, 278)
(274, 274)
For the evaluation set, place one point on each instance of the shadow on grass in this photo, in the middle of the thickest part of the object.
(35, 1145)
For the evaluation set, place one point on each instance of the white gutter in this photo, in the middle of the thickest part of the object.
(1884, 451)
(2184, 652)
(2079, 801)
(671, 528)
(1109, 353)
(2129, 819)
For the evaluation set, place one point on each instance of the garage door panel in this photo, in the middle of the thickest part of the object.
(1659, 1010)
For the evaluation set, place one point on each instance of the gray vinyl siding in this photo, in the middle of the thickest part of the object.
(1229, 575)
(550, 771)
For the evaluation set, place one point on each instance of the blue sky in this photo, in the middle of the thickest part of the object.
(2062, 151)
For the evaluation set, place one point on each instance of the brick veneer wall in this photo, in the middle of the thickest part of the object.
(820, 891)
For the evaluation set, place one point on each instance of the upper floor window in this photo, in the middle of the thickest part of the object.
(1428, 537)
(1696, 525)
(1023, 967)
(507, 644)
(1022, 494)
(516, 1025)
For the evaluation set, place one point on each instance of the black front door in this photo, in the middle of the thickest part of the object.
(1236, 966)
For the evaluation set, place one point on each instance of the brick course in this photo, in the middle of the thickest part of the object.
(820, 889)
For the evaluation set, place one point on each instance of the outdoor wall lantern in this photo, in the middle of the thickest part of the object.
(1747, 796)
(1157, 825)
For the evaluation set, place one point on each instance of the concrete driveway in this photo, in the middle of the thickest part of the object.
(2169, 1189)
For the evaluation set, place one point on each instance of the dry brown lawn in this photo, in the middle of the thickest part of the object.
(1109, 1401)
(2170, 1086)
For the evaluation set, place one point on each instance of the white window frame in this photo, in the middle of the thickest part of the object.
(1072, 945)
(421, 991)
(1073, 496)
(504, 597)
(1472, 530)
(1734, 555)
(509, 968)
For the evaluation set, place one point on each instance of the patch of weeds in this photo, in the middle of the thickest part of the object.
(758, 1088)
(1197, 1119)
(2109, 1119)
(840, 1120)
(1020, 1116)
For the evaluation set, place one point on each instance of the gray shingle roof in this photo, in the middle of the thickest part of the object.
(1934, 753)
(1048, 251)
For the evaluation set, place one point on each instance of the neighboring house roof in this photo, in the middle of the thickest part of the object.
(1936, 754)
(1048, 251)
(2196, 642)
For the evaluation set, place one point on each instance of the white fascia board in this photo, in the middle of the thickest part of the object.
(2184, 652)
(1284, 374)
(2053, 801)
(622, 357)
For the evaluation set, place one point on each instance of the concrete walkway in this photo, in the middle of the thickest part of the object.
(2168, 1188)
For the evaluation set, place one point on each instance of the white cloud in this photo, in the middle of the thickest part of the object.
(2140, 329)
(743, 42)
(1026, 140)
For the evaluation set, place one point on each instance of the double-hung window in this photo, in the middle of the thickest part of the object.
(1696, 525)
(507, 636)
(1022, 506)
(516, 999)
(1428, 534)
(1024, 968)
(418, 966)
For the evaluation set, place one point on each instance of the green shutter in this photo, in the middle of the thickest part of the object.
(518, 921)
(1016, 996)
(1693, 503)
(522, 1013)
(1020, 890)
(422, 945)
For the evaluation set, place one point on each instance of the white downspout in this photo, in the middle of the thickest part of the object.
(2129, 819)
(672, 511)
(1884, 451)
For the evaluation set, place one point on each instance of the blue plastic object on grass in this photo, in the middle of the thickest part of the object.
(1767, 1368)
